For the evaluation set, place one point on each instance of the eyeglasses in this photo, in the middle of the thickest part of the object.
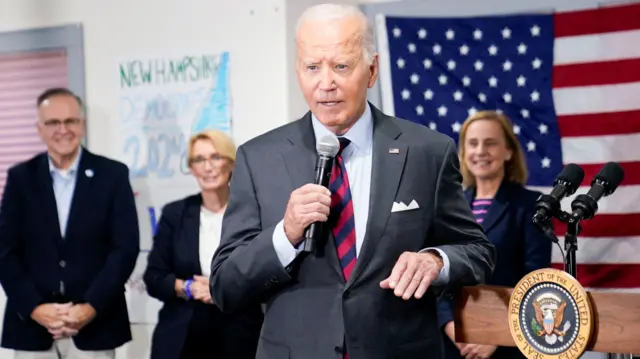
(54, 124)
(212, 160)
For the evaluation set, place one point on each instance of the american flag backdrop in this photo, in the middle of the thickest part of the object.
(569, 81)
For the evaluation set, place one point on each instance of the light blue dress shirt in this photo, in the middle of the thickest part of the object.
(358, 161)
(64, 184)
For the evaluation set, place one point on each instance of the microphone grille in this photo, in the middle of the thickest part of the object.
(572, 173)
(328, 146)
(612, 173)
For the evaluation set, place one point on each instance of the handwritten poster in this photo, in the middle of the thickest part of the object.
(163, 102)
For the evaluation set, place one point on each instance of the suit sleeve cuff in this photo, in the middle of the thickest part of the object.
(285, 251)
(443, 277)
(27, 305)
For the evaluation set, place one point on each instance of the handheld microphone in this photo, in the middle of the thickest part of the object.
(327, 148)
(585, 206)
(566, 184)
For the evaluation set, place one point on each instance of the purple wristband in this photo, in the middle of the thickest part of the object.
(187, 288)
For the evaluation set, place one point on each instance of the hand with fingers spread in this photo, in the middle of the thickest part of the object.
(307, 204)
(413, 274)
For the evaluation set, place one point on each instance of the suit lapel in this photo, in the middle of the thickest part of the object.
(387, 168)
(498, 207)
(300, 160)
(84, 178)
(191, 228)
(48, 196)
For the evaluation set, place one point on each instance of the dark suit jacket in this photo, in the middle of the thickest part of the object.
(94, 260)
(175, 254)
(520, 245)
(309, 307)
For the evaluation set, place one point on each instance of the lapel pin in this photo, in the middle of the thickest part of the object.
(88, 173)
(394, 151)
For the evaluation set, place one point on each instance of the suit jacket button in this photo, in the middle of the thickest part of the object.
(338, 349)
(62, 264)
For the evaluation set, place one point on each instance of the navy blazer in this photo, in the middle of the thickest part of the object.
(175, 254)
(521, 247)
(92, 262)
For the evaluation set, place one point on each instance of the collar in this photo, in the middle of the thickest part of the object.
(74, 166)
(360, 134)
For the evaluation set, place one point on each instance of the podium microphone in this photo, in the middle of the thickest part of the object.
(585, 206)
(566, 184)
(327, 148)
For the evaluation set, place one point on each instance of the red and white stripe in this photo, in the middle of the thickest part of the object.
(596, 90)
(22, 78)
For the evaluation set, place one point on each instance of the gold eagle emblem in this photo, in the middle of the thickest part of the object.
(550, 321)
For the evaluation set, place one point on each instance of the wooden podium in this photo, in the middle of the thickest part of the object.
(481, 317)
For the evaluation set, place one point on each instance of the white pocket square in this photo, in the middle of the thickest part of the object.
(400, 206)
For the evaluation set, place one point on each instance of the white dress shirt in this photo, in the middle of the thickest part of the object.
(64, 184)
(210, 226)
(358, 159)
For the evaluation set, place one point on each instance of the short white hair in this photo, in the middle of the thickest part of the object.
(329, 12)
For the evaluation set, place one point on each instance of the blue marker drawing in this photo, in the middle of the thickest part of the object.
(215, 111)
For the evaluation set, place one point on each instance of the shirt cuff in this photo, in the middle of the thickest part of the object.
(285, 251)
(443, 277)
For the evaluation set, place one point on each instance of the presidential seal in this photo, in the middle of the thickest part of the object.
(550, 315)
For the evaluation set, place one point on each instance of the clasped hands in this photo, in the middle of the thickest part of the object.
(63, 320)
(198, 288)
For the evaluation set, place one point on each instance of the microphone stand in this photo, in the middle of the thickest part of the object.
(570, 239)
(571, 245)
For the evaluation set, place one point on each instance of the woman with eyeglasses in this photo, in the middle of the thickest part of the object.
(188, 233)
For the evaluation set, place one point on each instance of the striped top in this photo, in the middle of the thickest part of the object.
(480, 207)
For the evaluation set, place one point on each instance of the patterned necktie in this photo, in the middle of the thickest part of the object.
(344, 229)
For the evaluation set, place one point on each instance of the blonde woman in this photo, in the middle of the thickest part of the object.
(189, 324)
(494, 176)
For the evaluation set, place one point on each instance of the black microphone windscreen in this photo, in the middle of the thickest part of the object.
(611, 173)
(573, 174)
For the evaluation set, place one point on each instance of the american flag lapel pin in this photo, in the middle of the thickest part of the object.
(394, 151)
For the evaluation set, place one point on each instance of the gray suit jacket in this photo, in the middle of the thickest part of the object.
(310, 312)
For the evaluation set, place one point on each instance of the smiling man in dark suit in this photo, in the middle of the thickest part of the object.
(399, 223)
(68, 243)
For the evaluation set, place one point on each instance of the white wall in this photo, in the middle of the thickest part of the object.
(253, 31)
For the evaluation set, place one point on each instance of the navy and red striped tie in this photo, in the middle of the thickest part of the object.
(344, 228)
